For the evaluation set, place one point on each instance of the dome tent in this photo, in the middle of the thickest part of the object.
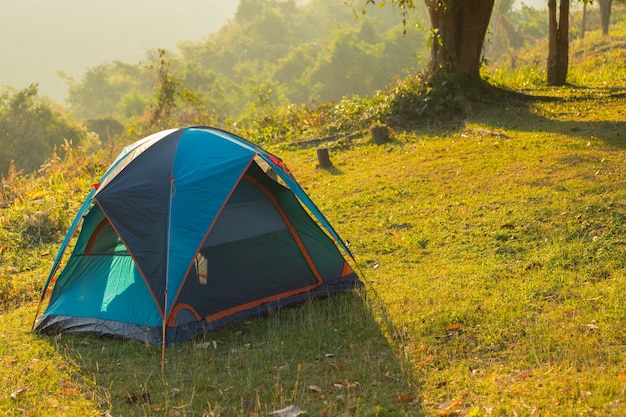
(190, 229)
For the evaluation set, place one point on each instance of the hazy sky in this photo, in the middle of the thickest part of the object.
(38, 38)
(537, 4)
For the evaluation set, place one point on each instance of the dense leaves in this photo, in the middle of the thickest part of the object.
(30, 130)
(303, 53)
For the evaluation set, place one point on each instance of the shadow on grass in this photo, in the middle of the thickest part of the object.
(328, 357)
(332, 170)
(519, 112)
(525, 118)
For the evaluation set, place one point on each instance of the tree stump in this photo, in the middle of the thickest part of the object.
(323, 158)
(380, 134)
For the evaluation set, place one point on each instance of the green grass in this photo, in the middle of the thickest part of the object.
(329, 356)
(493, 251)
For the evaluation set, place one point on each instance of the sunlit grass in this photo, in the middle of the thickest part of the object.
(499, 253)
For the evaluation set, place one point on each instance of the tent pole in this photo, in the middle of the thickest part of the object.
(167, 269)
(163, 348)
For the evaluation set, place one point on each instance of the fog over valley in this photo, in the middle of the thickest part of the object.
(39, 38)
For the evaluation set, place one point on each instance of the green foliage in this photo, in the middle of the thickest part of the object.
(102, 89)
(166, 94)
(106, 128)
(413, 99)
(30, 130)
(308, 53)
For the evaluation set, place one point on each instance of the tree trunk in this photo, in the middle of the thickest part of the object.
(605, 15)
(459, 29)
(558, 55)
(323, 158)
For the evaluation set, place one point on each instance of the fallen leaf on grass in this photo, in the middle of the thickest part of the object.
(281, 368)
(17, 392)
(406, 398)
(390, 377)
(450, 407)
(456, 327)
(69, 391)
(289, 411)
(621, 378)
(590, 328)
(314, 388)
(400, 333)
(176, 411)
(453, 330)
(206, 345)
(344, 384)
(249, 404)
(373, 264)
(69, 388)
(533, 265)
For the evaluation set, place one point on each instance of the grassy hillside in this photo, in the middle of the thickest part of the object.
(493, 250)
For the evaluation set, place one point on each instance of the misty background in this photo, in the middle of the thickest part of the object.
(40, 39)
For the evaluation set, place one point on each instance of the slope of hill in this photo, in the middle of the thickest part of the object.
(493, 250)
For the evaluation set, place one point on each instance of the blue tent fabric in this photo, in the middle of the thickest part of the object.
(179, 199)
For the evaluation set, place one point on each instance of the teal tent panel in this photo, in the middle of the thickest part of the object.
(90, 224)
(104, 287)
(205, 172)
(98, 237)
(321, 248)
